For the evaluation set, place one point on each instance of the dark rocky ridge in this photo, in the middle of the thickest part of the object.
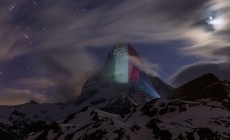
(206, 86)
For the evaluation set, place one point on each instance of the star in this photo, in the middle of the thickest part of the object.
(26, 36)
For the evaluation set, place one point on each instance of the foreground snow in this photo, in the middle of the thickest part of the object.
(158, 119)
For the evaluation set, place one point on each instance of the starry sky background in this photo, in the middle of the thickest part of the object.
(48, 48)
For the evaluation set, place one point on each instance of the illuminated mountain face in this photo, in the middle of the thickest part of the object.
(122, 67)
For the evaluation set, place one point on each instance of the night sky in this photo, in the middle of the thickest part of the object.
(48, 48)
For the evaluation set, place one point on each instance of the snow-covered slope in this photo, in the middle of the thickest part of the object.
(206, 116)
(158, 119)
(17, 121)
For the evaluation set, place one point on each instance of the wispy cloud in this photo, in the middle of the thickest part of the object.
(61, 30)
(145, 65)
(12, 96)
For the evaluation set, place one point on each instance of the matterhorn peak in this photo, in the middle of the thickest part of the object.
(120, 84)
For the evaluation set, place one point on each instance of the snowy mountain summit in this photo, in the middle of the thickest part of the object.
(124, 102)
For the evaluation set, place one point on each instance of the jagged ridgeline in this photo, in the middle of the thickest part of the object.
(125, 66)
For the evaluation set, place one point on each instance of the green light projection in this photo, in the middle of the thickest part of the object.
(116, 68)
(121, 64)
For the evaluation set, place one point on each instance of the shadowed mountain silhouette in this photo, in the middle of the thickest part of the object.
(206, 86)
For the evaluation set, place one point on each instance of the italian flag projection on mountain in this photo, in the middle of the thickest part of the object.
(123, 66)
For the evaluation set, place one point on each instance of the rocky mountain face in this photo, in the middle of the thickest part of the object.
(206, 86)
(109, 96)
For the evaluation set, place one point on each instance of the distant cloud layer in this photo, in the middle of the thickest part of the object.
(61, 30)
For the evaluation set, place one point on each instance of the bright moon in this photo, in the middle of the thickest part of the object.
(217, 22)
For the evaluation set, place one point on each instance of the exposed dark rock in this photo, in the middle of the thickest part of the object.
(161, 87)
(207, 86)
